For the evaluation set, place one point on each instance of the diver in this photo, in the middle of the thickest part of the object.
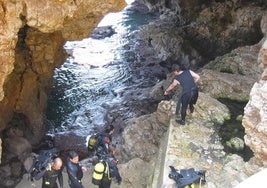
(187, 79)
(74, 170)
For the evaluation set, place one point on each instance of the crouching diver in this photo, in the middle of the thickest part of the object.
(103, 142)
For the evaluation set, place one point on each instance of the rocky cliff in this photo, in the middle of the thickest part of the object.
(32, 34)
(229, 39)
(238, 72)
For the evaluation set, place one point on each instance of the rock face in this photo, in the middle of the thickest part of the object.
(32, 34)
(255, 114)
(206, 29)
(197, 32)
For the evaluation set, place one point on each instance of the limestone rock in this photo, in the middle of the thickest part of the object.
(18, 146)
(28, 162)
(135, 173)
(242, 61)
(165, 110)
(236, 143)
(5, 170)
(255, 113)
(144, 132)
(254, 121)
(225, 85)
(0, 150)
(196, 32)
(32, 35)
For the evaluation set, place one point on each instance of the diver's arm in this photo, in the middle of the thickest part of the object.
(173, 85)
(60, 179)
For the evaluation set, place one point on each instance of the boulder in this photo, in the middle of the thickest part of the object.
(102, 32)
(18, 146)
(236, 144)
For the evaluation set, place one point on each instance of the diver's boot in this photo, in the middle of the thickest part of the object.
(181, 122)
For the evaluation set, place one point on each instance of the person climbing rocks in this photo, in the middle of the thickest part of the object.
(104, 142)
(107, 137)
(109, 130)
(187, 79)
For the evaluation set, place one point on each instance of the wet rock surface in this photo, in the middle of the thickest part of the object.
(102, 32)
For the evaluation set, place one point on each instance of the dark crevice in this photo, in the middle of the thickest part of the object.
(233, 128)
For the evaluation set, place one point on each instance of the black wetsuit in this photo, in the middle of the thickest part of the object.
(75, 174)
(50, 179)
(102, 146)
(189, 94)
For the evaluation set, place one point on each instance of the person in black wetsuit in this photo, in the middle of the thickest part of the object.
(51, 174)
(104, 144)
(109, 130)
(187, 79)
(74, 170)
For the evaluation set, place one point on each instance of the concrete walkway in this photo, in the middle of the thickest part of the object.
(199, 147)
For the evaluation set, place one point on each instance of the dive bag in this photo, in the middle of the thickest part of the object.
(41, 161)
(187, 178)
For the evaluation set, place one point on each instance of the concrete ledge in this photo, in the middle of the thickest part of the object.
(176, 151)
(198, 146)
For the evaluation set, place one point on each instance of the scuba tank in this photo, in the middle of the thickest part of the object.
(98, 173)
(92, 141)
